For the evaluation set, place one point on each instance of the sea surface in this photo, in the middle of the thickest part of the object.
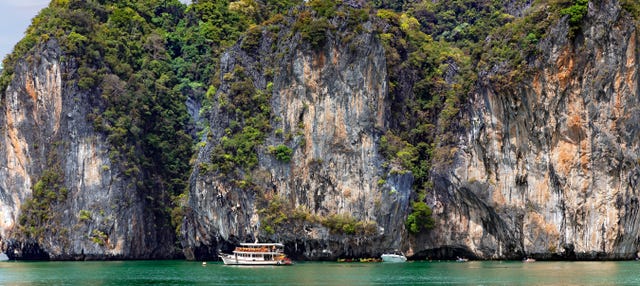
(178, 272)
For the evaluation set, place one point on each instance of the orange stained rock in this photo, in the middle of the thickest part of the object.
(565, 64)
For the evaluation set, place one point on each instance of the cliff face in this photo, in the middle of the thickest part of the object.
(96, 214)
(550, 166)
(547, 166)
(328, 105)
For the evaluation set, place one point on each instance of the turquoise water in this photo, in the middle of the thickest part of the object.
(317, 273)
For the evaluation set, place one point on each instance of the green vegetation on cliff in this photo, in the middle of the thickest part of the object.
(437, 53)
(143, 60)
(278, 216)
(121, 53)
(40, 215)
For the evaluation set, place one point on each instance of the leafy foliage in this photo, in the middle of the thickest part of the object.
(38, 212)
(631, 6)
(273, 215)
(251, 112)
(278, 214)
(346, 224)
(282, 153)
(324, 8)
(312, 30)
(576, 12)
(420, 219)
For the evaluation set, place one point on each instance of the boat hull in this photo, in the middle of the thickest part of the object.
(234, 260)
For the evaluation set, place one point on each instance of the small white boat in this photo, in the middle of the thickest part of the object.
(3, 257)
(462, 259)
(257, 254)
(528, 260)
(393, 257)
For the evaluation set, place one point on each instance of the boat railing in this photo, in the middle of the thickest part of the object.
(258, 249)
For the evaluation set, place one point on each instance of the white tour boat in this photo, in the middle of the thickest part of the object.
(257, 254)
(393, 257)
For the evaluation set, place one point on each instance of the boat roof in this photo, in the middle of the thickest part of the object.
(262, 244)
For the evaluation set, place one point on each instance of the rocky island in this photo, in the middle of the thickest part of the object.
(485, 129)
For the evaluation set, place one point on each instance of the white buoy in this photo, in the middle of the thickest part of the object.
(204, 263)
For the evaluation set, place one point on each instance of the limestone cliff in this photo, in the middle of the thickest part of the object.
(546, 165)
(549, 166)
(95, 213)
(329, 106)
